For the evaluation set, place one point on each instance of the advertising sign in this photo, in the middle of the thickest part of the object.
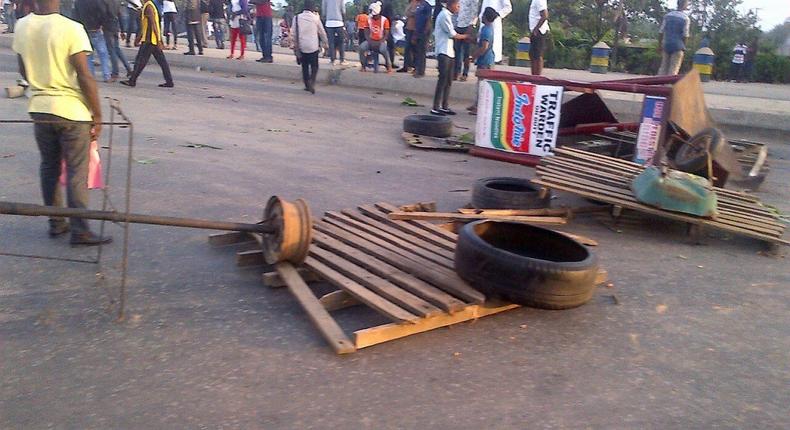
(649, 129)
(518, 117)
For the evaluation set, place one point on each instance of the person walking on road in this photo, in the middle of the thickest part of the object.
(444, 35)
(112, 26)
(10, 15)
(333, 13)
(192, 20)
(308, 37)
(51, 51)
(539, 32)
(132, 25)
(204, 15)
(92, 14)
(672, 37)
(216, 10)
(738, 60)
(150, 42)
(263, 23)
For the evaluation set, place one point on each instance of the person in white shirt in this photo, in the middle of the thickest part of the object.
(539, 29)
(503, 8)
(170, 13)
(308, 36)
(444, 36)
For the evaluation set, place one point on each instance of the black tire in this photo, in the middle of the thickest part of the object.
(507, 193)
(428, 125)
(526, 264)
(692, 157)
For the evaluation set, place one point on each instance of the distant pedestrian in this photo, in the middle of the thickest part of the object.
(375, 38)
(92, 14)
(539, 32)
(387, 11)
(239, 12)
(421, 35)
(204, 23)
(263, 23)
(218, 21)
(484, 54)
(333, 14)
(362, 24)
(111, 27)
(751, 57)
(444, 35)
(738, 60)
(64, 104)
(192, 20)
(464, 24)
(503, 8)
(132, 25)
(672, 37)
(408, 30)
(308, 37)
(150, 42)
(10, 15)
(170, 16)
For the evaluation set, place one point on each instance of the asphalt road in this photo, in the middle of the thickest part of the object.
(686, 337)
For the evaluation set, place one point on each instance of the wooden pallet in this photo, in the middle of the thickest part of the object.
(401, 269)
(609, 180)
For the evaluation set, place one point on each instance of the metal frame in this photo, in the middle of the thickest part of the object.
(115, 109)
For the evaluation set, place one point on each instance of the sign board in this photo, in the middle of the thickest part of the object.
(518, 117)
(649, 129)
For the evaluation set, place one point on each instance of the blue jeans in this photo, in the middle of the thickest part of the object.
(114, 47)
(219, 32)
(264, 26)
(462, 52)
(10, 18)
(100, 48)
(335, 36)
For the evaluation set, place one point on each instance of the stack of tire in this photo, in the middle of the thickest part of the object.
(519, 262)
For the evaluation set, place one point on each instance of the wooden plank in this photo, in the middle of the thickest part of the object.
(723, 217)
(408, 240)
(431, 228)
(250, 258)
(449, 216)
(419, 207)
(584, 240)
(564, 212)
(273, 280)
(315, 311)
(390, 240)
(374, 283)
(444, 269)
(398, 277)
(647, 209)
(375, 301)
(231, 238)
(337, 300)
(432, 273)
(384, 333)
(376, 214)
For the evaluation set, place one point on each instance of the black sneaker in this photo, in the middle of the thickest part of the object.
(88, 239)
(437, 112)
(58, 229)
(189, 53)
(167, 85)
(447, 111)
(129, 83)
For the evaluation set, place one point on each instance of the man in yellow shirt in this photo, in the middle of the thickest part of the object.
(52, 52)
(150, 42)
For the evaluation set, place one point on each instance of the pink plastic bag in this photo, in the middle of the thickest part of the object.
(94, 168)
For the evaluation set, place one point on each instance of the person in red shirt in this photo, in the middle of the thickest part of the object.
(362, 25)
(376, 37)
(263, 23)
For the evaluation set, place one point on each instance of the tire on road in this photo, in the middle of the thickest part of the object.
(507, 193)
(525, 264)
(428, 125)
(692, 158)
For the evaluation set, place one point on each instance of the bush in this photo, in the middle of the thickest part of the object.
(772, 68)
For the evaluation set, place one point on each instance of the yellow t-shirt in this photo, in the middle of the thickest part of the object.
(45, 43)
(147, 31)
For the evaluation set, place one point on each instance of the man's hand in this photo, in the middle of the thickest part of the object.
(96, 128)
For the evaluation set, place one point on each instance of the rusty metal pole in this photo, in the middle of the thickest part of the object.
(13, 208)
